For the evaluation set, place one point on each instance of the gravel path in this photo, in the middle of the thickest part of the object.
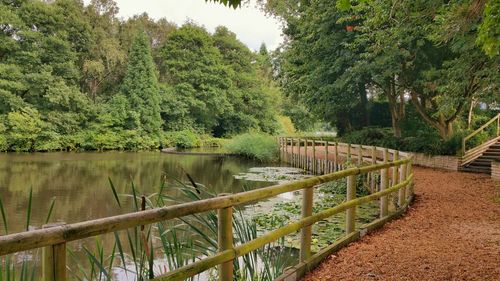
(451, 232)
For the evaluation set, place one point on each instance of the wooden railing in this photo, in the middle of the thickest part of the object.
(467, 153)
(54, 239)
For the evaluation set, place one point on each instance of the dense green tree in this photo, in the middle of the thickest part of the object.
(251, 99)
(75, 76)
(140, 84)
(104, 65)
(423, 52)
(442, 70)
(317, 69)
(194, 67)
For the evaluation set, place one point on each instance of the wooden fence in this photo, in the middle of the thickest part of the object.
(387, 163)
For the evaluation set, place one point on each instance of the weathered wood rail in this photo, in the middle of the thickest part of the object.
(370, 161)
(467, 152)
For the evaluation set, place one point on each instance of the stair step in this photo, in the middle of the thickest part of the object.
(473, 170)
(482, 160)
(482, 167)
(488, 157)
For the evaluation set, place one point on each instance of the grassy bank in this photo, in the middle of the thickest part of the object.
(257, 146)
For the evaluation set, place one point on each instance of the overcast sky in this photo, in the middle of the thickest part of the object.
(250, 24)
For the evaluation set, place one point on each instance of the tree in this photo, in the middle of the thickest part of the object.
(193, 66)
(103, 65)
(250, 98)
(140, 84)
(317, 69)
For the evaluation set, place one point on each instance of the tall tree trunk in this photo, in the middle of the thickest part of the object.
(441, 123)
(473, 103)
(445, 127)
(365, 118)
(396, 108)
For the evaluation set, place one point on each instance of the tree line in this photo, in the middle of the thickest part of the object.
(79, 77)
(436, 60)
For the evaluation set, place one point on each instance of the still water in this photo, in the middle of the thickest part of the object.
(79, 182)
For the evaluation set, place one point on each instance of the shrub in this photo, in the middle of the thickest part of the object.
(285, 125)
(3, 139)
(372, 136)
(428, 142)
(182, 139)
(254, 145)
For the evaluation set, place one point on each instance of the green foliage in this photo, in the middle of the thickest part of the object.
(140, 84)
(337, 57)
(489, 30)
(326, 196)
(182, 139)
(254, 145)
(78, 77)
(427, 142)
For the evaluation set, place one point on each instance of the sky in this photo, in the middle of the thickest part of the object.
(251, 25)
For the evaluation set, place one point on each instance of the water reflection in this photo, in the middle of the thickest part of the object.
(79, 181)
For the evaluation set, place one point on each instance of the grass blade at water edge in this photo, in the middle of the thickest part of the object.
(120, 252)
(28, 216)
(52, 203)
(96, 262)
(4, 218)
(114, 192)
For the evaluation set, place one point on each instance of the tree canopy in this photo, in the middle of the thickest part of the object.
(430, 55)
(78, 77)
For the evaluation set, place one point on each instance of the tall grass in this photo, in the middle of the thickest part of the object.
(254, 145)
(10, 267)
(183, 241)
(144, 252)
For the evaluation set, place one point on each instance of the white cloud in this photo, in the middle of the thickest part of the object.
(250, 24)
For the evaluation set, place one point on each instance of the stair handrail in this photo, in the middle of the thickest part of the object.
(480, 129)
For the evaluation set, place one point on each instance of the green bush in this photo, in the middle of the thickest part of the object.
(427, 142)
(182, 139)
(254, 145)
(382, 137)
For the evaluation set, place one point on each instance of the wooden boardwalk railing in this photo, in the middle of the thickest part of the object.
(54, 239)
(469, 154)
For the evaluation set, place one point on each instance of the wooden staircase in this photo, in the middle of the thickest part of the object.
(482, 164)
(478, 159)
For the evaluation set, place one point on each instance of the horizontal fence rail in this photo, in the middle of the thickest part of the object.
(395, 176)
(495, 121)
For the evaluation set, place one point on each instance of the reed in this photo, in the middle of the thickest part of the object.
(11, 269)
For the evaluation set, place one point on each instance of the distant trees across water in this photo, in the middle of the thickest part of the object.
(79, 77)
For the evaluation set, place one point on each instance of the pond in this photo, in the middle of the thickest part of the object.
(79, 182)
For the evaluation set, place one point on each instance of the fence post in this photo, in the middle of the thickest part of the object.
(314, 157)
(402, 191)
(225, 240)
(306, 165)
(280, 148)
(384, 181)
(306, 232)
(325, 168)
(283, 144)
(395, 172)
(409, 171)
(336, 160)
(54, 260)
(372, 174)
(360, 155)
(351, 212)
(299, 155)
(348, 151)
